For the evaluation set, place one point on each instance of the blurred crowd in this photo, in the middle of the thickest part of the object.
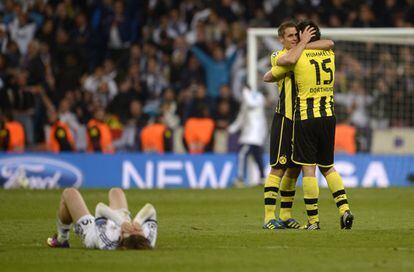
(95, 74)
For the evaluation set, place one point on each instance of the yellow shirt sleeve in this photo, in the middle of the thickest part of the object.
(279, 71)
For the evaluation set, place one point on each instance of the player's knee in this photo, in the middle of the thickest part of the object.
(116, 190)
(326, 170)
(293, 172)
(69, 192)
(277, 172)
(309, 170)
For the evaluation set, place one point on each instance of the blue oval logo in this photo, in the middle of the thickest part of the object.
(38, 173)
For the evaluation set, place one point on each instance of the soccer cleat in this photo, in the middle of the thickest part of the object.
(313, 226)
(346, 220)
(273, 224)
(289, 224)
(53, 242)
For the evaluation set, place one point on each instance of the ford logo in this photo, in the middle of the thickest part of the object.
(38, 173)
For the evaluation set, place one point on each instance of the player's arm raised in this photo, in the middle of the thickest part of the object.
(118, 216)
(293, 55)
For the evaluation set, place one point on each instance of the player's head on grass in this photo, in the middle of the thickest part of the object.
(288, 34)
(135, 241)
(301, 26)
(132, 237)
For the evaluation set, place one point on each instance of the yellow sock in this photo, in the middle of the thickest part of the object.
(311, 194)
(287, 195)
(271, 190)
(336, 186)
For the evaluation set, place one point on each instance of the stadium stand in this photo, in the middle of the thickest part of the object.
(141, 59)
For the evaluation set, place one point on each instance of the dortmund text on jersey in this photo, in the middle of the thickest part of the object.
(314, 75)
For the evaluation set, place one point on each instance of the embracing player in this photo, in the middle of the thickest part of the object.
(110, 228)
(314, 124)
(283, 171)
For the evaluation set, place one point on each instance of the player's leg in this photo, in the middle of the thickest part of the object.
(272, 182)
(117, 199)
(311, 195)
(72, 207)
(305, 150)
(334, 180)
(242, 165)
(287, 195)
(336, 186)
(271, 191)
(288, 183)
(119, 203)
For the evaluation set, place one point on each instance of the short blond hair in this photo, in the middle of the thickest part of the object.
(283, 26)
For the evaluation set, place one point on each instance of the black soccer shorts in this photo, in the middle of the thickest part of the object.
(313, 141)
(281, 142)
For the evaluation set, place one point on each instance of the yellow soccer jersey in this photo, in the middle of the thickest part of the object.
(286, 86)
(314, 75)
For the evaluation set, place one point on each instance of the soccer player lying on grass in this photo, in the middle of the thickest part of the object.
(110, 228)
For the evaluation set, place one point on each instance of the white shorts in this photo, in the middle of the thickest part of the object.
(85, 228)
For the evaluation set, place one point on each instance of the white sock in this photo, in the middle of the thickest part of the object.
(62, 231)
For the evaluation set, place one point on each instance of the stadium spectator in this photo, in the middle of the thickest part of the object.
(131, 136)
(59, 138)
(199, 131)
(217, 68)
(11, 134)
(34, 64)
(23, 104)
(112, 226)
(156, 137)
(70, 119)
(184, 103)
(22, 31)
(98, 134)
(169, 108)
(192, 73)
(223, 115)
(345, 136)
(227, 96)
(154, 79)
(201, 100)
(3, 38)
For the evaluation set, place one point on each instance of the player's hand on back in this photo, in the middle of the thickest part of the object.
(307, 34)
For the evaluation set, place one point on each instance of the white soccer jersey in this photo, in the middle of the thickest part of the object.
(101, 233)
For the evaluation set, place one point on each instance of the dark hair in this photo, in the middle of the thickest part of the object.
(303, 24)
(283, 26)
(135, 241)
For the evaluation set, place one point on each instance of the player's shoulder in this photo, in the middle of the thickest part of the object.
(275, 55)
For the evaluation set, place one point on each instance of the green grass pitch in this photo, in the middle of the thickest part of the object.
(218, 230)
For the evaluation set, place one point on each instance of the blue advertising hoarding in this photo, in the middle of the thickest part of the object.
(147, 171)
